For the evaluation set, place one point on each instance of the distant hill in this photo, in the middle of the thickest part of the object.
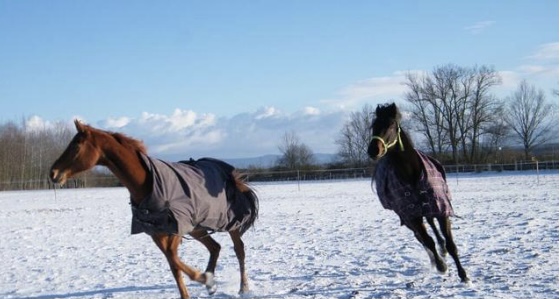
(261, 161)
(267, 161)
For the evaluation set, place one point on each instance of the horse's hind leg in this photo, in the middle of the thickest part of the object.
(169, 245)
(440, 240)
(239, 248)
(420, 232)
(213, 247)
(445, 225)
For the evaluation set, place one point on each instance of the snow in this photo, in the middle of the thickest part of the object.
(328, 239)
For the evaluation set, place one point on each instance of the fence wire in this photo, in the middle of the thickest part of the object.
(274, 176)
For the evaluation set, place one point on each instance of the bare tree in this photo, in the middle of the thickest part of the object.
(497, 134)
(27, 153)
(483, 111)
(530, 117)
(11, 149)
(295, 155)
(355, 136)
(425, 113)
(452, 106)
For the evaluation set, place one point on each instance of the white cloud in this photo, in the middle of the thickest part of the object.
(185, 134)
(170, 134)
(117, 122)
(479, 27)
(36, 124)
(533, 69)
(267, 112)
(371, 90)
(542, 63)
(179, 120)
(311, 111)
(182, 144)
(541, 70)
(510, 79)
(547, 51)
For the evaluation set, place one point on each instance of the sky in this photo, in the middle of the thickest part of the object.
(229, 78)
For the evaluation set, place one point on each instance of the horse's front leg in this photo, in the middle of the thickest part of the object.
(239, 248)
(445, 226)
(420, 232)
(169, 245)
(440, 240)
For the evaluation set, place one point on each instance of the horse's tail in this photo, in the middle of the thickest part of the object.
(252, 200)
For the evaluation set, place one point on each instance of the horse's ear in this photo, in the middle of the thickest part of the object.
(393, 108)
(79, 126)
(378, 110)
(394, 111)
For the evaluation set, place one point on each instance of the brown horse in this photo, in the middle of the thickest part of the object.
(215, 198)
(413, 185)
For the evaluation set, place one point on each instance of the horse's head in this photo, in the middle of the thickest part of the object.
(81, 154)
(386, 130)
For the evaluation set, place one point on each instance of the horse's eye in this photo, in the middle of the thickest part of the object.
(77, 141)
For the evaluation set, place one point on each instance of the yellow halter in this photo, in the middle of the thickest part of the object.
(386, 146)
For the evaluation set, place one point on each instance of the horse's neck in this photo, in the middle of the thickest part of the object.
(127, 166)
(406, 161)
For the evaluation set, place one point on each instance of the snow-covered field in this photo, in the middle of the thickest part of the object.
(321, 240)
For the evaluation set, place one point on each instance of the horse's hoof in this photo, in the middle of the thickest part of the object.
(243, 290)
(210, 284)
(441, 267)
(212, 289)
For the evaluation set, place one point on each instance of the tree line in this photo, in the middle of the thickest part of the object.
(27, 153)
(453, 115)
(456, 112)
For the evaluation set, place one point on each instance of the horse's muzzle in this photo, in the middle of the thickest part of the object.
(57, 177)
(374, 149)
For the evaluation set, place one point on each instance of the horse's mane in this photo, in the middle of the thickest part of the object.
(388, 111)
(129, 142)
(126, 141)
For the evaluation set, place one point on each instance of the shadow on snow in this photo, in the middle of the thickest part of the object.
(89, 294)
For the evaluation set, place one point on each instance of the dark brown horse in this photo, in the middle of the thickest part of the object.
(413, 185)
(157, 209)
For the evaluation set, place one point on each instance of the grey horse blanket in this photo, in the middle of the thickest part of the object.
(429, 197)
(188, 195)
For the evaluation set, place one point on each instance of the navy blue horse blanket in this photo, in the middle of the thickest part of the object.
(188, 195)
(429, 197)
